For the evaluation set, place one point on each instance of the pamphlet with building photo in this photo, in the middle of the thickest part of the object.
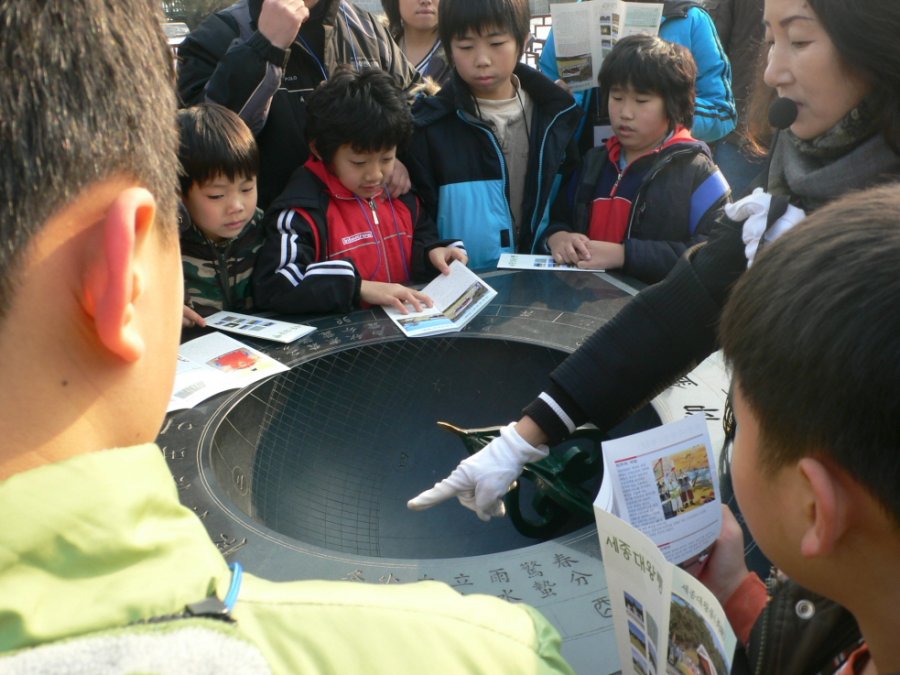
(458, 298)
(664, 482)
(658, 513)
(585, 32)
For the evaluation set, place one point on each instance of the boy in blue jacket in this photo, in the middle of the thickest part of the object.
(652, 191)
(488, 149)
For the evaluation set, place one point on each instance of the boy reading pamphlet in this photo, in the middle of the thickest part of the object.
(336, 239)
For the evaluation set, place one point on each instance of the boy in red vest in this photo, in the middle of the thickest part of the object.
(335, 238)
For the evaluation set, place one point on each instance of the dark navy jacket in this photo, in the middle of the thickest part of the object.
(458, 168)
(658, 206)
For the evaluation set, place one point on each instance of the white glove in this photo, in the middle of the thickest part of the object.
(481, 481)
(753, 210)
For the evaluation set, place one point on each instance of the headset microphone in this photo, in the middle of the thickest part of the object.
(782, 113)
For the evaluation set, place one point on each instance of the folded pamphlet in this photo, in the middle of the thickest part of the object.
(258, 327)
(527, 261)
(458, 298)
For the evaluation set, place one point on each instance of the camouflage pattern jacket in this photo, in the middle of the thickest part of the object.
(217, 275)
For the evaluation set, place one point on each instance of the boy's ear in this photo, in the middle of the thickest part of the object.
(825, 513)
(113, 281)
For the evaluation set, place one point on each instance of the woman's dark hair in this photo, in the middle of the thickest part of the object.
(366, 110)
(395, 21)
(215, 141)
(649, 64)
(865, 33)
(457, 17)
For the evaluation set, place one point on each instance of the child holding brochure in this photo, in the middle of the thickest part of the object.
(490, 147)
(815, 351)
(220, 225)
(335, 237)
(653, 191)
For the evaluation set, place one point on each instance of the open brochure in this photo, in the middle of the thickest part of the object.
(258, 327)
(585, 32)
(215, 363)
(664, 482)
(458, 298)
(525, 261)
(666, 621)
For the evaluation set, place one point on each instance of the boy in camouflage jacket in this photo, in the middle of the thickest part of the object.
(219, 229)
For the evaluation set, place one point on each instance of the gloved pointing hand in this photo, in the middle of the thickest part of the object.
(481, 481)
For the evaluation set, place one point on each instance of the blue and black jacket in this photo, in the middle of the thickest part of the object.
(686, 23)
(658, 206)
(459, 170)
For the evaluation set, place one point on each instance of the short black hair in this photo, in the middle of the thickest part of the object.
(88, 94)
(814, 344)
(366, 110)
(458, 17)
(649, 64)
(215, 141)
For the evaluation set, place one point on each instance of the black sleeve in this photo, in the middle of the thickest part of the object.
(216, 65)
(650, 260)
(418, 161)
(291, 275)
(662, 333)
(425, 238)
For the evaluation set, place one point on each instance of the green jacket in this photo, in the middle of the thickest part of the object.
(100, 541)
(217, 275)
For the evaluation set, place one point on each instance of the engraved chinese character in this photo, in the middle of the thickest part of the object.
(580, 578)
(563, 560)
(499, 576)
(684, 381)
(507, 594)
(355, 575)
(709, 413)
(228, 544)
(389, 578)
(602, 606)
(545, 588)
(531, 569)
(462, 580)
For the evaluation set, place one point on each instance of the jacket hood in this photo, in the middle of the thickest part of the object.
(682, 136)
